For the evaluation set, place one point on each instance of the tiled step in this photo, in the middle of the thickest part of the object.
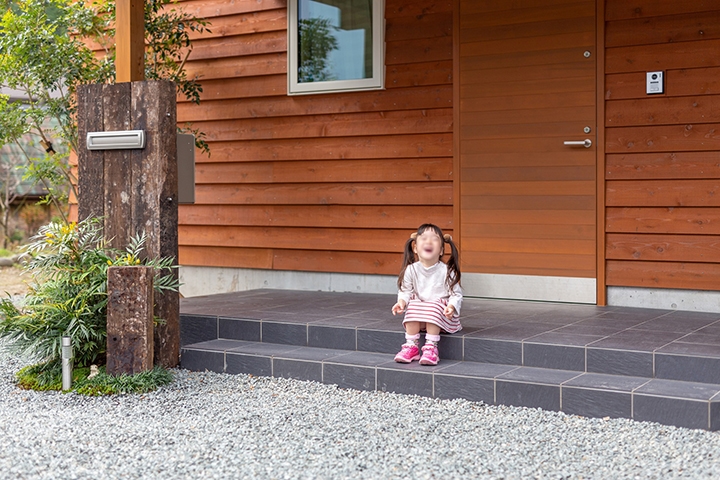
(671, 402)
(637, 352)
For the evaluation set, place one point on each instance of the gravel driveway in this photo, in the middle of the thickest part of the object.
(208, 425)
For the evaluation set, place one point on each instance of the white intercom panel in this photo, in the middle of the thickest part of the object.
(655, 82)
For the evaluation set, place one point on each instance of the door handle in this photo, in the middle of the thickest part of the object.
(587, 143)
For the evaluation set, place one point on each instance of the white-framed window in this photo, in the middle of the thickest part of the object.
(335, 45)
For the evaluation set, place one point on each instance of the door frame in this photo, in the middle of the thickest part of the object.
(600, 278)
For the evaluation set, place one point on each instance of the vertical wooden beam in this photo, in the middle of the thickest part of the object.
(457, 164)
(117, 179)
(129, 41)
(91, 164)
(129, 320)
(600, 285)
(154, 202)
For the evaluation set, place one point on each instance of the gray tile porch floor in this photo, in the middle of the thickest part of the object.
(597, 361)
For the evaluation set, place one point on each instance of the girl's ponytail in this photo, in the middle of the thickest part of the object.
(453, 263)
(408, 258)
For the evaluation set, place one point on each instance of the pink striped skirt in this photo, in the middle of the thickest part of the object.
(431, 312)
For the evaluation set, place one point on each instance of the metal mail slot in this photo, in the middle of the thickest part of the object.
(119, 140)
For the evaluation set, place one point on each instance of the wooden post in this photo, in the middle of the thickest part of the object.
(129, 41)
(129, 320)
(135, 191)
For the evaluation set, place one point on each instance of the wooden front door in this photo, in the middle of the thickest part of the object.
(527, 85)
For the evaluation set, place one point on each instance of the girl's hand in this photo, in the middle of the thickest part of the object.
(399, 307)
(449, 311)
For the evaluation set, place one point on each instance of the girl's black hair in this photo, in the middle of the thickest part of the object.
(453, 263)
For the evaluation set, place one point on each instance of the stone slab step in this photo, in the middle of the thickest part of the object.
(670, 402)
(650, 355)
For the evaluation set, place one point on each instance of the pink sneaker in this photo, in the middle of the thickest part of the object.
(409, 352)
(429, 354)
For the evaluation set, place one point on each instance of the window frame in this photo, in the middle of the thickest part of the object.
(376, 82)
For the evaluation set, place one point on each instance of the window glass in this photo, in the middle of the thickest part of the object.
(335, 45)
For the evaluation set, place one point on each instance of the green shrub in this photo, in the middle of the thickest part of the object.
(40, 377)
(68, 294)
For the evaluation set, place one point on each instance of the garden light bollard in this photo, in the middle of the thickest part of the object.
(67, 366)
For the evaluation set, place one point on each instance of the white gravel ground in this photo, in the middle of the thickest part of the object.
(208, 425)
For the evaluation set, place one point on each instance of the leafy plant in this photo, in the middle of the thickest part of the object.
(68, 293)
(39, 377)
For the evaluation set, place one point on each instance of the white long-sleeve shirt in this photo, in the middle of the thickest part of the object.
(429, 284)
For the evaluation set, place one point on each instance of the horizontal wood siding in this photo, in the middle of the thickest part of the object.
(332, 182)
(663, 151)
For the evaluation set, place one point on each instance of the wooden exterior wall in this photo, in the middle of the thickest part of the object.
(663, 151)
(332, 182)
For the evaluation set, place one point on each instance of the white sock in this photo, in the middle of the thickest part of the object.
(414, 339)
(432, 338)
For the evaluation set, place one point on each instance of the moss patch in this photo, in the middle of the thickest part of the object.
(42, 377)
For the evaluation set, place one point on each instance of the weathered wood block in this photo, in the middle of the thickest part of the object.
(135, 191)
(130, 342)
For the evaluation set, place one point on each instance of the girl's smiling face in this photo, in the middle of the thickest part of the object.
(428, 247)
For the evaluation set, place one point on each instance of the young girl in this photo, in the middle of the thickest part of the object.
(430, 293)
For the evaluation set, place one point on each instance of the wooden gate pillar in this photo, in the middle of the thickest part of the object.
(135, 191)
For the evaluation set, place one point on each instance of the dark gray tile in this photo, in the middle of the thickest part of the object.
(493, 351)
(637, 340)
(364, 359)
(562, 316)
(568, 339)
(715, 416)
(615, 323)
(529, 395)
(701, 338)
(679, 389)
(481, 370)
(474, 389)
(538, 375)
(239, 329)
(311, 353)
(379, 341)
(670, 411)
(347, 376)
(284, 333)
(451, 347)
(684, 316)
(518, 330)
(713, 329)
(601, 331)
(678, 324)
(197, 328)
(620, 362)
(601, 381)
(554, 356)
(680, 347)
(219, 345)
(348, 322)
(249, 364)
(596, 403)
(265, 349)
(201, 360)
(331, 337)
(298, 369)
(405, 381)
(415, 366)
(642, 314)
(688, 368)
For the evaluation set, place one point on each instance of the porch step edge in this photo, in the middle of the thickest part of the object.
(669, 402)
